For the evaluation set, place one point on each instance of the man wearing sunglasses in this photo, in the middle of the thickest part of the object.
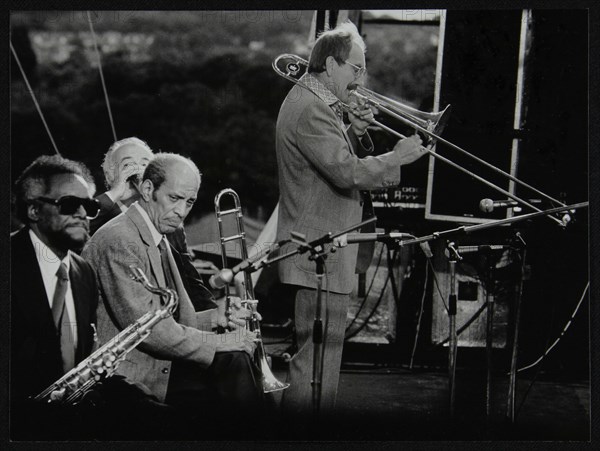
(54, 297)
(53, 291)
(325, 172)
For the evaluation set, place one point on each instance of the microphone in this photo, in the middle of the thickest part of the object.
(226, 275)
(426, 249)
(222, 278)
(460, 250)
(451, 248)
(369, 237)
(488, 205)
(483, 247)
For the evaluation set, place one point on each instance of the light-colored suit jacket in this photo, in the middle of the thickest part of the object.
(320, 178)
(123, 241)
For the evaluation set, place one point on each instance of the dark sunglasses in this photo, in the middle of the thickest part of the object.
(68, 205)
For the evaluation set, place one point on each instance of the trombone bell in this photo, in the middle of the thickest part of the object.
(292, 67)
(269, 382)
(433, 122)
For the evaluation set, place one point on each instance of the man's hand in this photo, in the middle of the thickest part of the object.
(121, 187)
(341, 241)
(410, 149)
(205, 267)
(360, 116)
(238, 315)
(238, 340)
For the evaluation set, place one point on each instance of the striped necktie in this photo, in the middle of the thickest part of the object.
(168, 271)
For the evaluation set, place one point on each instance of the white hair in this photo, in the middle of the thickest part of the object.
(108, 164)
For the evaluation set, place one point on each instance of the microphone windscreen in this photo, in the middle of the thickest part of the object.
(486, 205)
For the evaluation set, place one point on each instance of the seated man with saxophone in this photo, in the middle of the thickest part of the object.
(54, 297)
(54, 293)
(123, 165)
(324, 174)
(183, 362)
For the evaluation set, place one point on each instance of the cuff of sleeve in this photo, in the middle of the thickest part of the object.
(109, 196)
(366, 142)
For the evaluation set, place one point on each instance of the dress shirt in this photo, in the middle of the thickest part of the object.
(121, 205)
(157, 236)
(49, 264)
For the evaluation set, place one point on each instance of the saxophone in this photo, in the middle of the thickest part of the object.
(103, 363)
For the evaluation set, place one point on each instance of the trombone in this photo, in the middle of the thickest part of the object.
(268, 380)
(292, 67)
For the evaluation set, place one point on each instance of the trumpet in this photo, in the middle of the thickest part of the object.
(103, 362)
(268, 380)
(292, 67)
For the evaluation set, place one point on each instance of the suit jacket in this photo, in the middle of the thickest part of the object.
(123, 241)
(320, 178)
(195, 287)
(35, 346)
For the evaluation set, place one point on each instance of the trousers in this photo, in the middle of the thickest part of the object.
(297, 400)
(225, 400)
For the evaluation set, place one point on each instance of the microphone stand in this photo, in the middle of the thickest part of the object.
(318, 255)
(452, 304)
(436, 235)
(512, 384)
(487, 225)
(453, 257)
(489, 300)
(317, 335)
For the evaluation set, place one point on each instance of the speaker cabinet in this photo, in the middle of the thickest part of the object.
(478, 275)
(480, 77)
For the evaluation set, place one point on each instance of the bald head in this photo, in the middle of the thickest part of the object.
(169, 189)
(167, 164)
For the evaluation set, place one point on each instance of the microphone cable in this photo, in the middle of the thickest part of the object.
(552, 346)
(418, 328)
(543, 356)
(437, 285)
(368, 291)
(35, 102)
(374, 309)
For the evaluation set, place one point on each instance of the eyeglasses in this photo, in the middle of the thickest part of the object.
(358, 71)
(68, 205)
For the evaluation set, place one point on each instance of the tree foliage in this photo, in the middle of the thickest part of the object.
(204, 89)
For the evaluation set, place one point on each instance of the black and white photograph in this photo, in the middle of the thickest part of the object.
(272, 226)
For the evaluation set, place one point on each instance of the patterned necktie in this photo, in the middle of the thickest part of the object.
(168, 272)
(62, 322)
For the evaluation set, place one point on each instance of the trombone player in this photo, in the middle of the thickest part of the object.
(325, 172)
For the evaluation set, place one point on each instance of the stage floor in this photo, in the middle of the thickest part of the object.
(402, 404)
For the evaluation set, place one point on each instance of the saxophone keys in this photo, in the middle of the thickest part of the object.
(57, 395)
